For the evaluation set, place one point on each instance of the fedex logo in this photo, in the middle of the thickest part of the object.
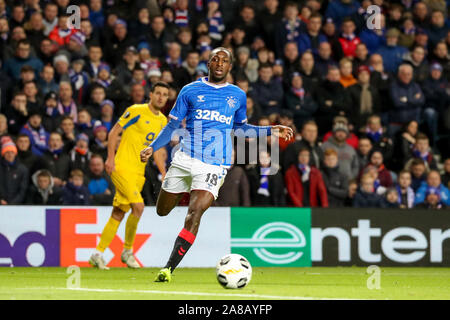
(212, 115)
(59, 237)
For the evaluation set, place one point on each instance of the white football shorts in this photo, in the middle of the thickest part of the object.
(186, 174)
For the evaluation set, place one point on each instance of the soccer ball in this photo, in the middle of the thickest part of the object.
(233, 271)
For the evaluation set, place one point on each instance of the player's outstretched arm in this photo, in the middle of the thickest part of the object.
(249, 130)
(163, 138)
(113, 139)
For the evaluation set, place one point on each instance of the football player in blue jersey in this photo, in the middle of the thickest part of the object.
(213, 108)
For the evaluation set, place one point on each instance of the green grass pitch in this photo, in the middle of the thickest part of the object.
(267, 283)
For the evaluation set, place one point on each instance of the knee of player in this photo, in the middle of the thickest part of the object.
(138, 209)
(161, 211)
(118, 215)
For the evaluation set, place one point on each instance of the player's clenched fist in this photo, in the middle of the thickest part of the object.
(109, 165)
(146, 154)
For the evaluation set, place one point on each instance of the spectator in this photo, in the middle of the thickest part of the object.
(67, 131)
(308, 71)
(46, 52)
(416, 58)
(288, 29)
(374, 38)
(268, 91)
(33, 100)
(79, 80)
(419, 171)
(404, 144)
(61, 33)
(37, 134)
(345, 68)
(363, 152)
(366, 197)
(116, 45)
(348, 39)
(50, 17)
(422, 150)
(440, 55)
(331, 99)
(324, 58)
(99, 143)
(85, 123)
(55, 160)
(244, 66)
(339, 9)
(266, 188)
(159, 36)
(437, 97)
(361, 58)
(390, 199)
(384, 175)
(3, 125)
(235, 191)
(309, 140)
(446, 175)
(421, 15)
(190, 64)
(269, 16)
(24, 154)
(437, 30)
(432, 200)
(22, 57)
(312, 38)
(215, 21)
(392, 53)
(113, 88)
(101, 188)
(433, 181)
(74, 192)
(17, 113)
(13, 174)
(348, 164)
(352, 189)
(405, 193)
(42, 190)
(61, 65)
(66, 105)
(381, 80)
(47, 81)
(407, 99)
(378, 135)
(364, 98)
(335, 182)
(299, 101)
(304, 183)
(80, 155)
(352, 139)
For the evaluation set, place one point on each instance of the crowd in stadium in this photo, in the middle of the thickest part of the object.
(367, 95)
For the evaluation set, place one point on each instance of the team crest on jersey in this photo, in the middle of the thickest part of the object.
(201, 98)
(126, 115)
(232, 102)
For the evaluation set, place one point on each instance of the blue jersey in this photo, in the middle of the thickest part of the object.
(211, 111)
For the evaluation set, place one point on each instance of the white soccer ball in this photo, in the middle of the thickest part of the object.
(233, 271)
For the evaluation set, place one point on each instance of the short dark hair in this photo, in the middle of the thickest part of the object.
(417, 161)
(160, 84)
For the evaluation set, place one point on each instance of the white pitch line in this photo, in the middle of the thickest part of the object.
(191, 293)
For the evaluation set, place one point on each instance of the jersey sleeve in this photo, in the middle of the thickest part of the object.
(181, 106)
(241, 113)
(128, 118)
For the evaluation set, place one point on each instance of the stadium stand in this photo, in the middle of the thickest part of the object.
(369, 102)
